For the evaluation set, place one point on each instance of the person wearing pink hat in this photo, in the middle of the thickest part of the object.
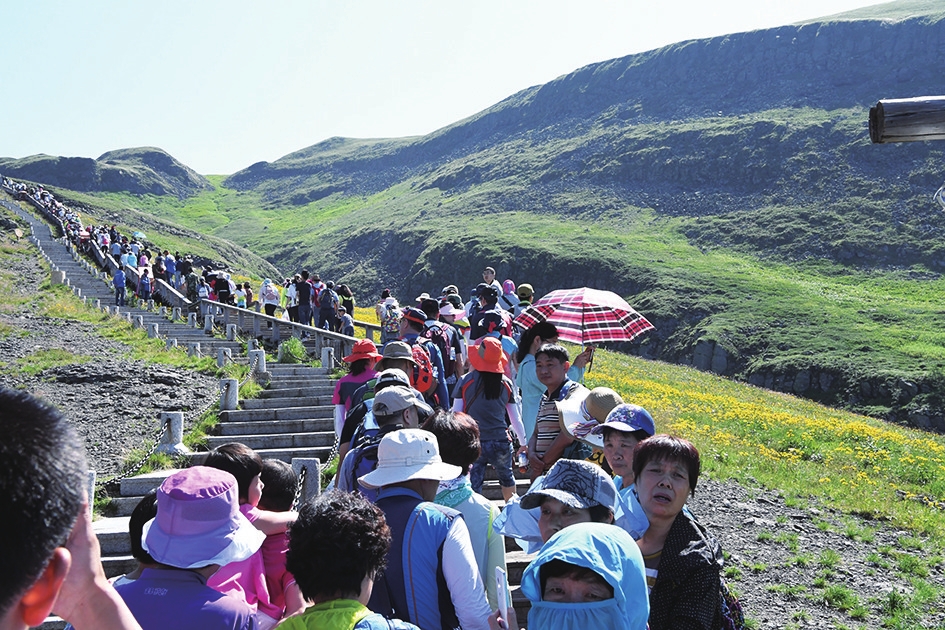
(361, 363)
(198, 529)
(486, 394)
(508, 299)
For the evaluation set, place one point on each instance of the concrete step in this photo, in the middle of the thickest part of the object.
(112, 534)
(277, 413)
(275, 426)
(260, 443)
(493, 491)
(140, 485)
(286, 454)
(297, 382)
(123, 506)
(300, 401)
(119, 565)
(291, 369)
(515, 563)
(492, 476)
(290, 392)
(166, 329)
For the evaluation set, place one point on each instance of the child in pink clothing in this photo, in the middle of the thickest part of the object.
(280, 483)
(247, 579)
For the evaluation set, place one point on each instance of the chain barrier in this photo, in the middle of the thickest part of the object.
(334, 451)
(298, 489)
(133, 470)
(199, 412)
(252, 370)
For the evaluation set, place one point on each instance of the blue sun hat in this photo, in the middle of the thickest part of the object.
(628, 419)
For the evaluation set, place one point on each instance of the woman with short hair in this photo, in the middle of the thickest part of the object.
(683, 561)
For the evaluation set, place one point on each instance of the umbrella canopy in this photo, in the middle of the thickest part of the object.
(139, 235)
(586, 316)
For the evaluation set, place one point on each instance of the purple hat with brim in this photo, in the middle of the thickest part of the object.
(199, 522)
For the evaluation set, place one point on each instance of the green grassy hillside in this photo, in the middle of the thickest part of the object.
(726, 186)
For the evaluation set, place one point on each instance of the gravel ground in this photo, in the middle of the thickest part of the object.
(777, 553)
(113, 402)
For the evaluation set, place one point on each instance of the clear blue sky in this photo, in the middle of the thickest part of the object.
(221, 84)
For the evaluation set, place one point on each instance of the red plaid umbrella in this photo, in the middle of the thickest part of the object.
(586, 316)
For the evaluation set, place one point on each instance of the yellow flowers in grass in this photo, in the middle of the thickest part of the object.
(852, 462)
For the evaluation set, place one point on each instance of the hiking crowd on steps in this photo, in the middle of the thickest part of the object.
(204, 551)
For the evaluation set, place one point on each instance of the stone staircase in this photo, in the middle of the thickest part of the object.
(292, 418)
(91, 285)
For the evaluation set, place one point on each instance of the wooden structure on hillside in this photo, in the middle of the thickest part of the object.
(908, 119)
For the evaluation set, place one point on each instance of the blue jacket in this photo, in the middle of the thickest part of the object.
(413, 587)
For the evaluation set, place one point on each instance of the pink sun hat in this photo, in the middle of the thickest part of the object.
(199, 522)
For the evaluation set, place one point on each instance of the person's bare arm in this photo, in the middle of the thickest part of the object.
(274, 522)
(294, 602)
(536, 463)
(561, 442)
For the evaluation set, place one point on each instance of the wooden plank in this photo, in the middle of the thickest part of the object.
(908, 120)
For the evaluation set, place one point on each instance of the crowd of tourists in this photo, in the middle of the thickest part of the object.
(404, 537)
(606, 510)
(150, 263)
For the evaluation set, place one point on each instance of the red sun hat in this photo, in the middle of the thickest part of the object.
(488, 356)
(363, 349)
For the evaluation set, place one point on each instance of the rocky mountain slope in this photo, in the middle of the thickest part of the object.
(145, 170)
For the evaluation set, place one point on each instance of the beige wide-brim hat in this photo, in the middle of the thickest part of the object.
(406, 455)
(580, 415)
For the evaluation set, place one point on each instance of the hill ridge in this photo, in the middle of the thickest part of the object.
(140, 170)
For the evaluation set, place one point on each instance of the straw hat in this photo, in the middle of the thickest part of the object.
(579, 416)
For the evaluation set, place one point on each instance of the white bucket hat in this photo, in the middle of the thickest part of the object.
(408, 454)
